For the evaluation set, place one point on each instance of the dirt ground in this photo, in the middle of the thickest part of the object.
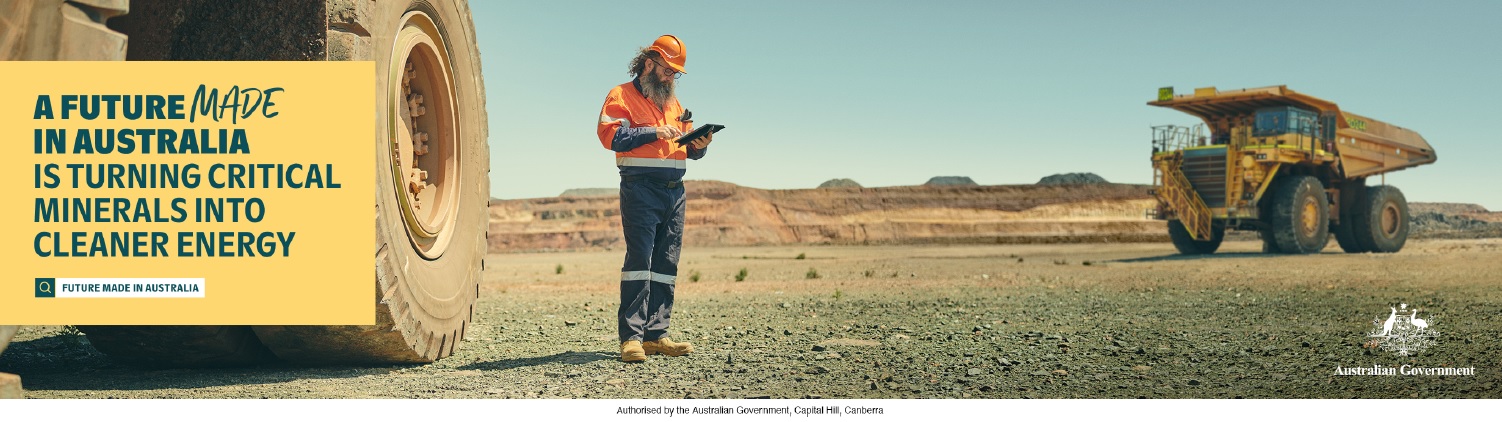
(1002, 321)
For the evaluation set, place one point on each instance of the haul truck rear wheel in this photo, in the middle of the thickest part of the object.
(1345, 235)
(1187, 245)
(432, 186)
(1381, 223)
(1300, 215)
(1353, 195)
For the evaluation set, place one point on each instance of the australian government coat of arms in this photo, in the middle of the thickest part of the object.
(1403, 332)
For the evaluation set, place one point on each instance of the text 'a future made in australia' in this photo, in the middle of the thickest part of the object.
(143, 178)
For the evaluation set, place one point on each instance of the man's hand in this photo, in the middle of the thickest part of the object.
(668, 132)
(703, 142)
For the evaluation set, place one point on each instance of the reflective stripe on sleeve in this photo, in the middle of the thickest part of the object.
(605, 119)
(651, 162)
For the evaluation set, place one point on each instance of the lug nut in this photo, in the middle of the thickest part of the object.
(420, 143)
(414, 104)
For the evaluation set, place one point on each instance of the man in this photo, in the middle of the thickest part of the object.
(641, 121)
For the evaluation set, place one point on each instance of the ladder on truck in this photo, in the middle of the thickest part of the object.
(1173, 186)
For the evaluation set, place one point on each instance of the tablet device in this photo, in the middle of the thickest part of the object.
(699, 132)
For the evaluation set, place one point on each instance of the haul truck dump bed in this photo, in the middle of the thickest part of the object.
(1365, 146)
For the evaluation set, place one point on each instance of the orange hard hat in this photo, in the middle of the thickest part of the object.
(672, 50)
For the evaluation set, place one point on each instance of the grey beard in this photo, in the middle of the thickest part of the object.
(658, 91)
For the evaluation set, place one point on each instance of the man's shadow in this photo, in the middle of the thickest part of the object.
(566, 358)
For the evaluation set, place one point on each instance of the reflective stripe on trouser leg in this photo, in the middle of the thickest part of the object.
(651, 216)
(665, 252)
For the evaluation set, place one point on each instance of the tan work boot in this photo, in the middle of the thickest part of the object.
(667, 347)
(631, 351)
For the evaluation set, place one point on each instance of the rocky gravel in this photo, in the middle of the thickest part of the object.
(1002, 321)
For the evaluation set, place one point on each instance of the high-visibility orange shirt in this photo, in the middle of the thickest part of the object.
(627, 125)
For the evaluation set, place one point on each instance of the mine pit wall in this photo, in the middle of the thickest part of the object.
(723, 214)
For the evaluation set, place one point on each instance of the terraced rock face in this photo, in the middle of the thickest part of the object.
(724, 214)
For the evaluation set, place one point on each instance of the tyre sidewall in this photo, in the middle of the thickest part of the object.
(433, 320)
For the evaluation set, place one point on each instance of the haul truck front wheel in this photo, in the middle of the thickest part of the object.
(1300, 215)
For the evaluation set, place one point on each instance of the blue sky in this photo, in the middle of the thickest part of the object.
(893, 93)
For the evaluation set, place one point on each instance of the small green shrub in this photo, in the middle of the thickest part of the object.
(741, 276)
(812, 274)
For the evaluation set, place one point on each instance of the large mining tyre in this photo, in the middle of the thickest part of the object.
(1345, 235)
(1300, 215)
(432, 184)
(1381, 220)
(1269, 245)
(1353, 194)
(1186, 243)
(432, 162)
(58, 30)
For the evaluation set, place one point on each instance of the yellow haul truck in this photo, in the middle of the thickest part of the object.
(1288, 165)
(432, 162)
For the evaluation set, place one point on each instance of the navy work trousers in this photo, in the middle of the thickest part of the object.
(652, 217)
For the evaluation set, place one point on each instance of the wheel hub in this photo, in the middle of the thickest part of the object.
(424, 134)
(1310, 217)
(1390, 220)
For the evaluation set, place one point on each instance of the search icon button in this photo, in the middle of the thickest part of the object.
(45, 286)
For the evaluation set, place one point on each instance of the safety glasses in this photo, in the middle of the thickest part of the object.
(661, 66)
